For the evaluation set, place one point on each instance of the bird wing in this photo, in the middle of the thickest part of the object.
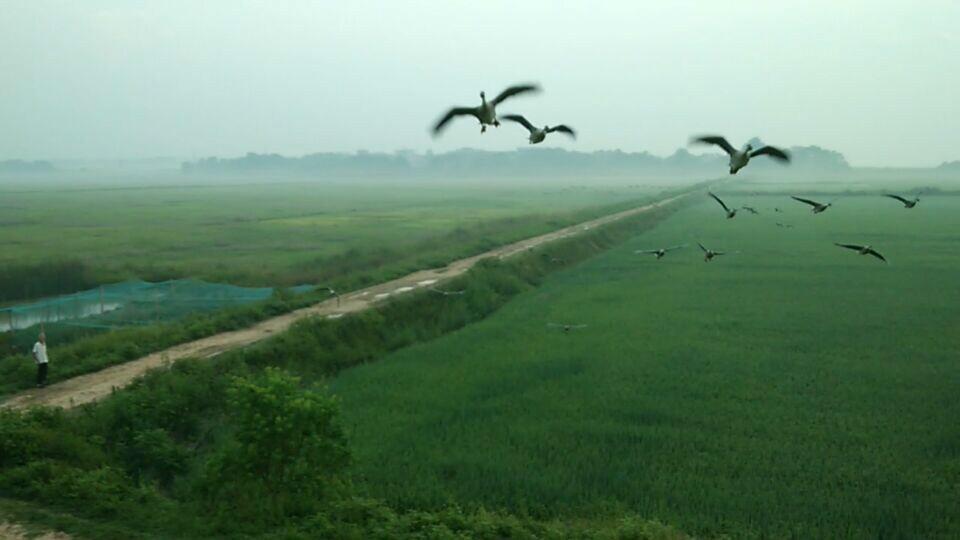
(849, 246)
(897, 197)
(648, 251)
(520, 120)
(514, 90)
(453, 113)
(563, 129)
(771, 151)
(806, 201)
(675, 247)
(703, 248)
(719, 201)
(871, 251)
(445, 293)
(717, 140)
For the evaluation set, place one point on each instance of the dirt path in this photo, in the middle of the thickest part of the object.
(10, 531)
(93, 386)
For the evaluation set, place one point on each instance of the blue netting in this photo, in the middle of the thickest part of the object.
(133, 303)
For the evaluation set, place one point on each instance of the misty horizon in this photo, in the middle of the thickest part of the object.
(113, 80)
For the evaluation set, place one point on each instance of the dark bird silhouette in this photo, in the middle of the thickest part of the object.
(863, 250)
(740, 158)
(709, 254)
(658, 252)
(730, 213)
(565, 328)
(750, 209)
(907, 203)
(537, 135)
(816, 207)
(448, 293)
(486, 112)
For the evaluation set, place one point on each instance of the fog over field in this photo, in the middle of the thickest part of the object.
(473, 270)
(118, 79)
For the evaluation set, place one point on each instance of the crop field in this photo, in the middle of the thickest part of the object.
(790, 388)
(275, 232)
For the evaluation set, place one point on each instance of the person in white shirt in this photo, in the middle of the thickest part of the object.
(40, 355)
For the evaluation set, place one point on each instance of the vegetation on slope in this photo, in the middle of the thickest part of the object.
(78, 350)
(790, 388)
(181, 452)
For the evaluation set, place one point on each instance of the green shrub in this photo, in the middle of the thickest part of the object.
(287, 452)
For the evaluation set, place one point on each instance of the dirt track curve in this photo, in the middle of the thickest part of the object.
(93, 386)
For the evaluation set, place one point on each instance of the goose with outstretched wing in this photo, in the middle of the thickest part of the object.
(537, 135)
(658, 252)
(815, 206)
(730, 213)
(863, 250)
(486, 112)
(907, 203)
(709, 254)
(740, 158)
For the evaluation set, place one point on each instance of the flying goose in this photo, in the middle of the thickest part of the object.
(709, 254)
(566, 327)
(332, 292)
(863, 250)
(658, 252)
(730, 213)
(486, 112)
(448, 293)
(537, 135)
(750, 209)
(740, 158)
(817, 207)
(907, 203)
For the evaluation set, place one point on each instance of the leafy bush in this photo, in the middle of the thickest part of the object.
(286, 454)
(257, 450)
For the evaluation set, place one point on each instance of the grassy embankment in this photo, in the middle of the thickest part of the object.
(788, 389)
(165, 458)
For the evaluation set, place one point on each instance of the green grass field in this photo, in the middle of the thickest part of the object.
(792, 389)
(263, 226)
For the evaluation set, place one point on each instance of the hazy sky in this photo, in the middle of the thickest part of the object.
(879, 81)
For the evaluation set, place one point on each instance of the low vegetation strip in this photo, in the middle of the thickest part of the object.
(182, 452)
(88, 387)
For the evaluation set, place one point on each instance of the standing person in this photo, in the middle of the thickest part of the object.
(40, 355)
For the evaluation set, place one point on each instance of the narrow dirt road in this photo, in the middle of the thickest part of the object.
(93, 386)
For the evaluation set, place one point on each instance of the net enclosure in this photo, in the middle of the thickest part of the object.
(133, 303)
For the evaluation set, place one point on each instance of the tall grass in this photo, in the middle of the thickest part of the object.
(136, 461)
(78, 351)
(788, 389)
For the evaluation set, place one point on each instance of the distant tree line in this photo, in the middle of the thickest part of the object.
(527, 162)
(950, 166)
(14, 166)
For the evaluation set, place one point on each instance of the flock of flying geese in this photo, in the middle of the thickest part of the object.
(816, 207)
(486, 114)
